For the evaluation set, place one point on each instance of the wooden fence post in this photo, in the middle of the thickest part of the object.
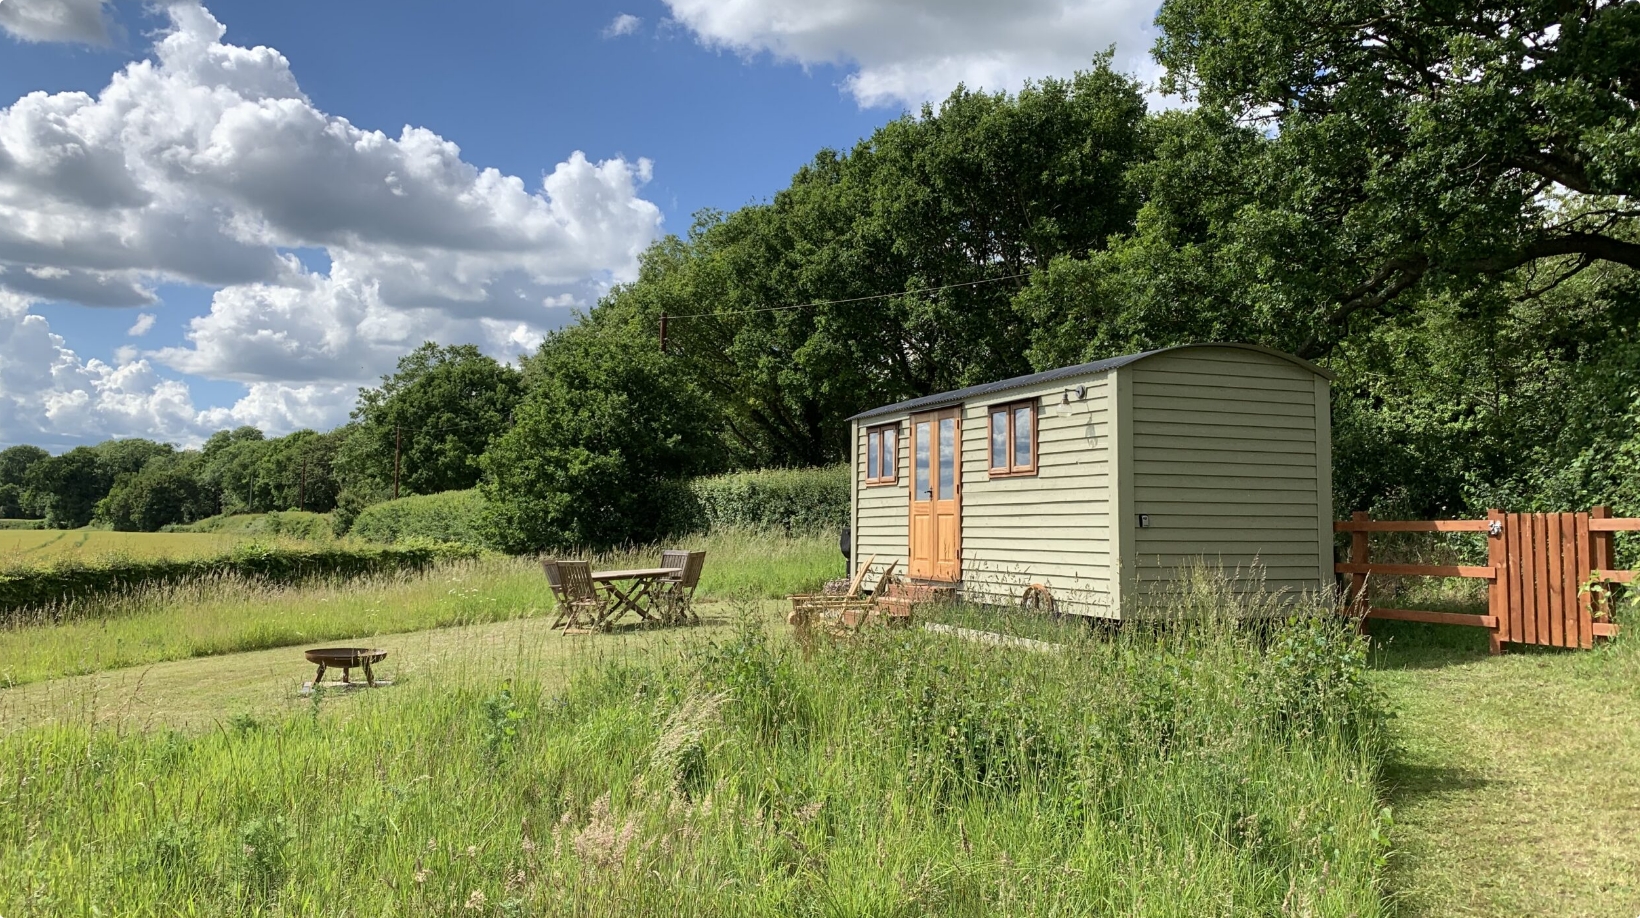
(1497, 594)
(1358, 581)
(1600, 552)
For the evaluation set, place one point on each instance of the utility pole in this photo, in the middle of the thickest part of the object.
(301, 493)
(396, 444)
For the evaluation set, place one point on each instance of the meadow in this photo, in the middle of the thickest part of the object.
(1195, 771)
(228, 615)
(37, 546)
(725, 770)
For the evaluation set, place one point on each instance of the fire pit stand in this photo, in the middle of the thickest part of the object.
(346, 659)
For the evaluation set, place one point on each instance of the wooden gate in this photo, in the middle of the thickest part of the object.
(1540, 569)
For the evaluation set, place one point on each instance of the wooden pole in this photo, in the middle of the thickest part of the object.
(1359, 555)
(1600, 552)
(301, 492)
(397, 440)
(1497, 592)
(663, 333)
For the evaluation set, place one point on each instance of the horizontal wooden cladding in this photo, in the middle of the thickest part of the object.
(1261, 399)
(1192, 525)
(1412, 526)
(1152, 429)
(1205, 379)
(1182, 483)
(1091, 570)
(1163, 499)
(1044, 502)
(1304, 471)
(1241, 587)
(1229, 563)
(1266, 451)
(1212, 423)
(1433, 618)
(1162, 459)
(1287, 542)
(1234, 361)
(1227, 409)
(998, 554)
(1420, 570)
(1614, 524)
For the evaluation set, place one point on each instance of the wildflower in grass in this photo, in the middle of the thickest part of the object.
(475, 901)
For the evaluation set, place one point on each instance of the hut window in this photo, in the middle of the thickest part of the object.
(882, 454)
(1013, 439)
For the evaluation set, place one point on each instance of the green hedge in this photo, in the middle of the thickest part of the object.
(448, 517)
(296, 524)
(793, 500)
(35, 587)
(22, 524)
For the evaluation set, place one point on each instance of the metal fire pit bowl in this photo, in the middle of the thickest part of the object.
(345, 659)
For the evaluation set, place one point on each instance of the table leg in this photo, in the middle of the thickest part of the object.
(369, 677)
(320, 676)
(346, 671)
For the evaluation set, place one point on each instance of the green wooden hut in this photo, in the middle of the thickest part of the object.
(1103, 482)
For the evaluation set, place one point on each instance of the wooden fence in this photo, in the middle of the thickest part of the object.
(1540, 569)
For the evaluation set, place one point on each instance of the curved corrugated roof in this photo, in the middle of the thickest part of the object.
(958, 396)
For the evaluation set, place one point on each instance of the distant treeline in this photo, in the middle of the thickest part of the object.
(1437, 207)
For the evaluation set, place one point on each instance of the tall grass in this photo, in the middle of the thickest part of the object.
(1198, 770)
(226, 614)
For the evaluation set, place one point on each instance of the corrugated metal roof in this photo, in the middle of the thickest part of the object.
(958, 396)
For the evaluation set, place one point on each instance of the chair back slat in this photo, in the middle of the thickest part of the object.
(554, 579)
(859, 577)
(694, 562)
(576, 577)
(677, 559)
(884, 581)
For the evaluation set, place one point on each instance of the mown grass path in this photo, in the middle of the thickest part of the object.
(204, 692)
(1515, 788)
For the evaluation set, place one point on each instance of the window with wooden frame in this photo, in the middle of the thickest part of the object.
(1013, 439)
(883, 454)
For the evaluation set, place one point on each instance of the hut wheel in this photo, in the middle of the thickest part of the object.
(1036, 598)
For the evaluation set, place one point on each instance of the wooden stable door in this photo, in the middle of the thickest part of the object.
(936, 502)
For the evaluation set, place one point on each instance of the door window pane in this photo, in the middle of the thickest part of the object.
(948, 464)
(1023, 418)
(873, 443)
(921, 444)
(999, 440)
(891, 455)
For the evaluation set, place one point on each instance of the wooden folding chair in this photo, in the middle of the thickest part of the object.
(808, 609)
(677, 592)
(556, 583)
(585, 608)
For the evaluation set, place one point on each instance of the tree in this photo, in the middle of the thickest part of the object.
(69, 486)
(439, 411)
(949, 208)
(159, 495)
(1420, 149)
(14, 465)
(227, 469)
(607, 426)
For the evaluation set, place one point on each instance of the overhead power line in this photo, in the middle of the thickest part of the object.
(855, 299)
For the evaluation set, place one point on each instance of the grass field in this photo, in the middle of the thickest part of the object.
(26, 547)
(1513, 780)
(908, 774)
(175, 622)
(716, 770)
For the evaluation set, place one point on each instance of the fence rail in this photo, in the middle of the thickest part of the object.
(1540, 568)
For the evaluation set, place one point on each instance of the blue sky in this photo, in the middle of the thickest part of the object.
(251, 187)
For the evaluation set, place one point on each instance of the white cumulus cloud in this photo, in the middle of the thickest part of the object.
(624, 24)
(910, 51)
(50, 396)
(207, 163)
(143, 325)
(81, 21)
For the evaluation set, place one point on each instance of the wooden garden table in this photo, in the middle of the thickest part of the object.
(636, 595)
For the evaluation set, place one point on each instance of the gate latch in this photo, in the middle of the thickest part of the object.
(1495, 528)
